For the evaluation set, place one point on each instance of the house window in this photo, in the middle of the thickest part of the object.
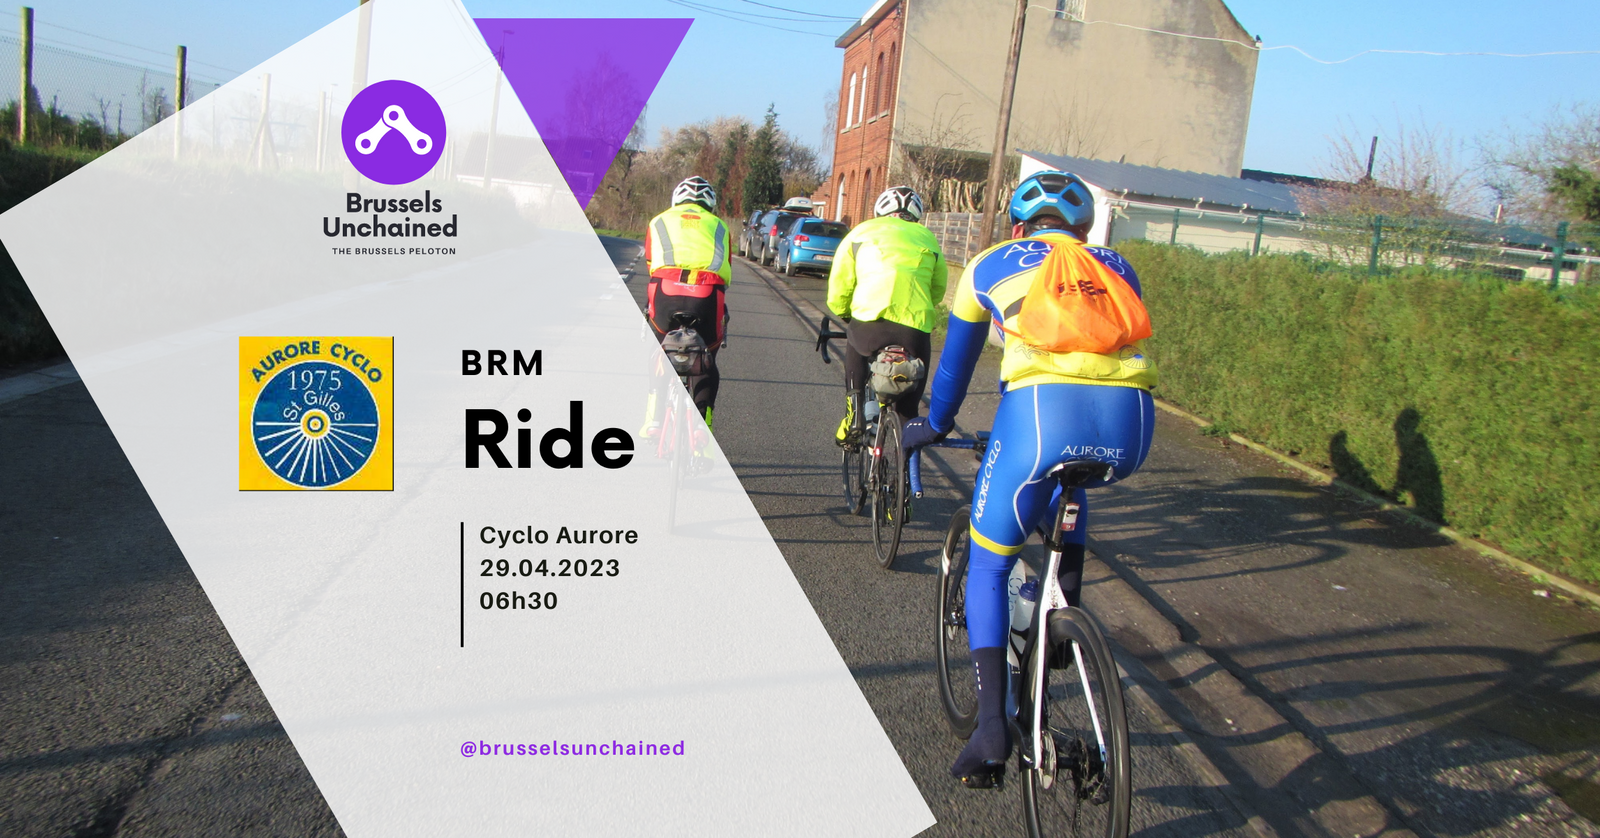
(878, 101)
(838, 209)
(888, 84)
(850, 107)
(861, 111)
(866, 194)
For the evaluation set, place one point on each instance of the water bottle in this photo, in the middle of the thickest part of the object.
(869, 411)
(1022, 608)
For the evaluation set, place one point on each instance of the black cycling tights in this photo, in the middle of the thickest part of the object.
(869, 336)
(702, 388)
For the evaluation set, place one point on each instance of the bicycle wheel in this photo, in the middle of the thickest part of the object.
(1083, 783)
(853, 471)
(958, 688)
(677, 457)
(888, 488)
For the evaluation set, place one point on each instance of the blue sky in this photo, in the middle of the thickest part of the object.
(728, 67)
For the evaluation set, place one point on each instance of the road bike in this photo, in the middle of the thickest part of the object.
(873, 470)
(681, 423)
(1064, 696)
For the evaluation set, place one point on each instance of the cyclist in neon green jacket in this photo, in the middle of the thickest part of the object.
(888, 276)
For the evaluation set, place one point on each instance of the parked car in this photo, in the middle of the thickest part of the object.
(809, 246)
(764, 239)
(747, 233)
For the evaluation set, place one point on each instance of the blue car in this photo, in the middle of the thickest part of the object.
(809, 246)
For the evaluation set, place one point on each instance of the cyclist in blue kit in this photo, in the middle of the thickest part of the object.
(1055, 406)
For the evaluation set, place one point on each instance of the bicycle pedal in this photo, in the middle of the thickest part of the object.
(987, 777)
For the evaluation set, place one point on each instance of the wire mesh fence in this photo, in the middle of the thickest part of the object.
(77, 92)
(1553, 253)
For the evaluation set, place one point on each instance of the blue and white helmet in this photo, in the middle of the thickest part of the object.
(1053, 193)
(696, 189)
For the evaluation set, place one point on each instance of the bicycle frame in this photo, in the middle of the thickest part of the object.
(1052, 598)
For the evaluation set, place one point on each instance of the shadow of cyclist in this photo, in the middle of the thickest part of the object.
(1417, 472)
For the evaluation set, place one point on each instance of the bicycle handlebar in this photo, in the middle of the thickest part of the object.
(825, 334)
(914, 463)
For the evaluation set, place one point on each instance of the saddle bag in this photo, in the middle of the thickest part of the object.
(686, 351)
(895, 371)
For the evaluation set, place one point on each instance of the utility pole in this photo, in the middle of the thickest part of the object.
(352, 178)
(181, 84)
(997, 163)
(26, 53)
(1372, 157)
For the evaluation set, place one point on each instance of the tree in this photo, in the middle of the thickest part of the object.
(729, 164)
(1421, 186)
(1576, 191)
(763, 184)
(1548, 173)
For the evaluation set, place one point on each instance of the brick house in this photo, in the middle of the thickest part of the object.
(920, 84)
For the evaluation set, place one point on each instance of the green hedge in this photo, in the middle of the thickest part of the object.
(24, 332)
(1470, 399)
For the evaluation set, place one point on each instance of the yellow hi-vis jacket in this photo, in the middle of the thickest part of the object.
(692, 237)
(891, 269)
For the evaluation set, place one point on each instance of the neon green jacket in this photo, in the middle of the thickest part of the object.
(891, 269)
(689, 236)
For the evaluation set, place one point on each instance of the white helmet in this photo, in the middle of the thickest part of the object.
(696, 189)
(897, 200)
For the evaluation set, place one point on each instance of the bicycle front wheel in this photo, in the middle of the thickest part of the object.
(958, 688)
(888, 488)
(854, 473)
(1082, 783)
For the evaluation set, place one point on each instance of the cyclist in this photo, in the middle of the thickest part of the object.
(687, 247)
(1055, 406)
(888, 274)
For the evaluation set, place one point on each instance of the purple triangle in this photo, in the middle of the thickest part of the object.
(583, 82)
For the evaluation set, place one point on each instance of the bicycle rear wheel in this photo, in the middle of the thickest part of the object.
(888, 488)
(1083, 783)
(678, 418)
(958, 688)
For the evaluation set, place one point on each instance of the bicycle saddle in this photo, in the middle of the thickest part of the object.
(1076, 473)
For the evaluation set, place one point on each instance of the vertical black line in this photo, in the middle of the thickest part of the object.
(462, 603)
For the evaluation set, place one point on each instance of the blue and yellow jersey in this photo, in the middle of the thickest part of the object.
(990, 295)
(991, 291)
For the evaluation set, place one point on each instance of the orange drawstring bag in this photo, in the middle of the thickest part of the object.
(1077, 304)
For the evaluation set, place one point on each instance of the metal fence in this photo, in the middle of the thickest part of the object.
(1556, 253)
(123, 97)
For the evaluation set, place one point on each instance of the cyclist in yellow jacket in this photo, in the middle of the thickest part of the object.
(688, 250)
(888, 275)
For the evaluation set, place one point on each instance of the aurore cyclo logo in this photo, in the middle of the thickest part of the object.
(316, 413)
(393, 132)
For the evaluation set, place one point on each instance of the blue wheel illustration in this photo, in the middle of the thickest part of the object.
(315, 424)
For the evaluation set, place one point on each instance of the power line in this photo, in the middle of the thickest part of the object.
(799, 12)
(729, 14)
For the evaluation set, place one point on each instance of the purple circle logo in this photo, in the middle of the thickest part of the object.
(393, 132)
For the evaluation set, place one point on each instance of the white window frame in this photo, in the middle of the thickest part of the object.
(861, 112)
(850, 108)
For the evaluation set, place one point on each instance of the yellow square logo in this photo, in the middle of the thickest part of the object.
(316, 413)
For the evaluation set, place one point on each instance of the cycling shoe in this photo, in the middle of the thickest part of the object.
(991, 775)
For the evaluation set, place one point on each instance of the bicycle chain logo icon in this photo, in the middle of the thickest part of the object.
(316, 413)
(404, 110)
